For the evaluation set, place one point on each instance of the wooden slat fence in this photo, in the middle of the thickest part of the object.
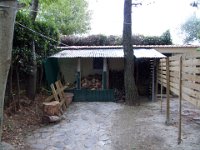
(190, 76)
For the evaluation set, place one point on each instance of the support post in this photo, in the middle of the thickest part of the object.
(180, 101)
(78, 77)
(156, 79)
(153, 81)
(161, 88)
(168, 90)
(104, 75)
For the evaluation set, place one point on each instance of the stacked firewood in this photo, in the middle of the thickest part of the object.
(92, 82)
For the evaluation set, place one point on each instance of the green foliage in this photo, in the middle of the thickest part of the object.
(191, 29)
(101, 40)
(22, 42)
(69, 16)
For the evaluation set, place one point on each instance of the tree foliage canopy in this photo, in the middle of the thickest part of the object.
(191, 29)
(69, 16)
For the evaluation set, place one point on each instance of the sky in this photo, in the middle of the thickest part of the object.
(148, 19)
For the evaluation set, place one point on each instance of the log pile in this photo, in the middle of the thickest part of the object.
(92, 82)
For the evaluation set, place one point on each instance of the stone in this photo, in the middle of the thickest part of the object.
(6, 146)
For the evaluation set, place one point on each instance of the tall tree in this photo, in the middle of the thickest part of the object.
(7, 20)
(131, 93)
(32, 82)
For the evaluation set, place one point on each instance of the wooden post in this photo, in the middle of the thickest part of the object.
(180, 101)
(168, 90)
(153, 81)
(161, 88)
(78, 77)
(156, 75)
(104, 75)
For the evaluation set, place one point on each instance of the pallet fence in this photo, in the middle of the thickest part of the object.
(180, 75)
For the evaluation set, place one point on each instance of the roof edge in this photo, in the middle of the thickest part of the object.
(134, 46)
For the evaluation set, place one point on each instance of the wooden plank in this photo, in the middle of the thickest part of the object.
(61, 96)
(174, 58)
(191, 77)
(163, 60)
(174, 80)
(54, 92)
(190, 99)
(191, 69)
(162, 68)
(48, 99)
(163, 71)
(191, 85)
(191, 62)
(173, 90)
(174, 74)
(175, 85)
(162, 76)
(174, 63)
(174, 68)
(191, 92)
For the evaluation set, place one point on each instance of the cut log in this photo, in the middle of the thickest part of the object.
(51, 108)
(69, 97)
(51, 119)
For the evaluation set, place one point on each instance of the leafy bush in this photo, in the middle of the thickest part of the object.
(102, 40)
(23, 37)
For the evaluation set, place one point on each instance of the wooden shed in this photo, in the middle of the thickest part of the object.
(91, 70)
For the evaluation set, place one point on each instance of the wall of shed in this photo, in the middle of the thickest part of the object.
(116, 64)
(68, 67)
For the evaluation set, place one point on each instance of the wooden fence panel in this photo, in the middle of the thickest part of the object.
(190, 76)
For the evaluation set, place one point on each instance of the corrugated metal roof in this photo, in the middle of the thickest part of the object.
(134, 46)
(107, 53)
(148, 53)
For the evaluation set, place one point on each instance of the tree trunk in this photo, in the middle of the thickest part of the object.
(9, 88)
(131, 93)
(34, 8)
(32, 83)
(7, 20)
(18, 86)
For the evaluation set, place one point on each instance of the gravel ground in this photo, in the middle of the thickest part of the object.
(114, 126)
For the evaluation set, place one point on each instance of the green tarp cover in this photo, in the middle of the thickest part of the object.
(51, 69)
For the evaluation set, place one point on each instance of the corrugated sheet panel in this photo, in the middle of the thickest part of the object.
(148, 53)
(107, 53)
(134, 47)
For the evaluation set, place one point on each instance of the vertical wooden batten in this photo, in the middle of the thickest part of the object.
(78, 77)
(104, 75)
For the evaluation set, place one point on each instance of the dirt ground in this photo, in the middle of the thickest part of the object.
(144, 128)
(114, 126)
